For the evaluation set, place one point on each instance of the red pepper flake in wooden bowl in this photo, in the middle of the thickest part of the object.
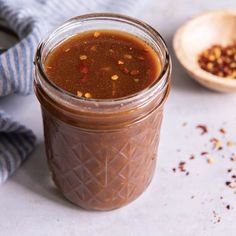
(219, 60)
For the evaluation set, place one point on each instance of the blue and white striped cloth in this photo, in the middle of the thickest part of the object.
(31, 22)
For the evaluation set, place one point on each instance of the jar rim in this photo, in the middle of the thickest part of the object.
(159, 84)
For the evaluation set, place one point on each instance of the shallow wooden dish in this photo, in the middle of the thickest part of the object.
(215, 27)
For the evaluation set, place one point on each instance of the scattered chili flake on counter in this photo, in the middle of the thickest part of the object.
(221, 130)
(192, 157)
(217, 145)
(219, 60)
(203, 129)
(211, 154)
(217, 218)
(182, 166)
(230, 143)
(204, 153)
(230, 184)
(210, 160)
(233, 157)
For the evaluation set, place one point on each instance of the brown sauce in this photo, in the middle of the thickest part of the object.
(103, 64)
(101, 159)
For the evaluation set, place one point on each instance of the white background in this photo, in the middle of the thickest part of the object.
(30, 205)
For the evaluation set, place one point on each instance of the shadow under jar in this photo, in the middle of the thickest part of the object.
(102, 152)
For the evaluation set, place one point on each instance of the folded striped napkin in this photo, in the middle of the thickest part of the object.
(30, 23)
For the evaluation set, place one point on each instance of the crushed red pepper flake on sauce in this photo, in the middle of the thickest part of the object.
(219, 60)
(105, 63)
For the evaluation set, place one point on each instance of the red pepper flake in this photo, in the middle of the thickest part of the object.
(228, 207)
(219, 60)
(210, 160)
(174, 169)
(216, 217)
(120, 62)
(229, 170)
(79, 94)
(230, 143)
(83, 57)
(216, 144)
(233, 176)
(233, 158)
(134, 72)
(128, 56)
(204, 153)
(93, 48)
(106, 68)
(181, 166)
(84, 79)
(125, 70)
(203, 129)
(84, 69)
(221, 130)
(187, 173)
(230, 184)
(114, 77)
(96, 34)
(88, 95)
(192, 157)
(141, 58)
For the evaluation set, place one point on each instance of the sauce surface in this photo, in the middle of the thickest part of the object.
(103, 64)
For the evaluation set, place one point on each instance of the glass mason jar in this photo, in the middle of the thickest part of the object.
(102, 152)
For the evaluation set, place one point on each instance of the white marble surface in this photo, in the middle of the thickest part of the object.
(30, 206)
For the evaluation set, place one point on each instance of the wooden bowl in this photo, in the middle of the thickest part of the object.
(200, 33)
